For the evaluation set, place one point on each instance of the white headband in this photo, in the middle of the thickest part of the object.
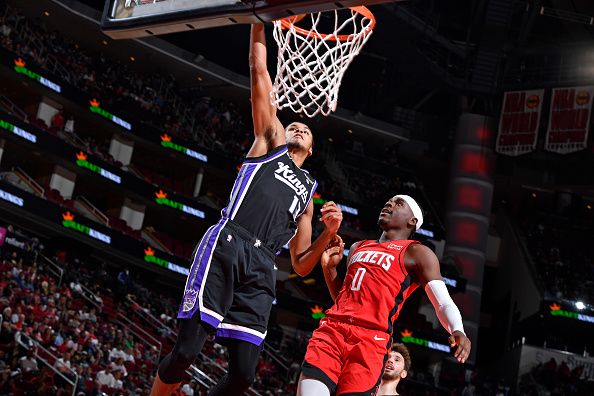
(414, 206)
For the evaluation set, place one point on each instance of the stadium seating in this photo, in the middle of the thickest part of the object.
(219, 125)
(565, 265)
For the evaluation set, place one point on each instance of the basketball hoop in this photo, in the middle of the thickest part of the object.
(311, 64)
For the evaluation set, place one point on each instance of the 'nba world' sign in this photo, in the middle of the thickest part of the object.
(519, 122)
(569, 119)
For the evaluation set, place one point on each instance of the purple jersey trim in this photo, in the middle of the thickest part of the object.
(211, 320)
(240, 335)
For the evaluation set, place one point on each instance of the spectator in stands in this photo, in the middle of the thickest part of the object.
(125, 279)
(116, 353)
(105, 378)
(396, 369)
(90, 357)
(28, 363)
(5, 30)
(188, 388)
(118, 383)
(129, 355)
(62, 364)
(7, 314)
(15, 259)
(118, 366)
(76, 287)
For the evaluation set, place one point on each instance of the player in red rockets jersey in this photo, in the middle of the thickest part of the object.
(347, 353)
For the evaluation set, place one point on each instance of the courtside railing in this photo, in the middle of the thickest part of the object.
(47, 358)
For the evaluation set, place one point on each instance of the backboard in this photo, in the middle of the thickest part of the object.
(138, 18)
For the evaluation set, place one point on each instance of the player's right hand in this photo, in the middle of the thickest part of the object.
(333, 253)
(463, 350)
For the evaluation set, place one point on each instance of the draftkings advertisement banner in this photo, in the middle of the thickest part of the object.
(569, 119)
(519, 122)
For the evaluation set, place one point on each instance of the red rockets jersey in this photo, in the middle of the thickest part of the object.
(375, 287)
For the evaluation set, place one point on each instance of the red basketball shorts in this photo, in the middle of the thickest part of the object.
(348, 359)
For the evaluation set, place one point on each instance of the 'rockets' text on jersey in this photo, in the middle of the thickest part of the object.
(375, 287)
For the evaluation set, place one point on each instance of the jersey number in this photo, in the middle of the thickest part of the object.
(358, 279)
(295, 207)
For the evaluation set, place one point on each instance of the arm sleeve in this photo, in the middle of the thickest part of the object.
(445, 308)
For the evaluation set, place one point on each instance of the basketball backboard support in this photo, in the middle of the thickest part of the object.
(140, 18)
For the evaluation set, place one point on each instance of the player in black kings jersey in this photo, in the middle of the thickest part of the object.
(231, 285)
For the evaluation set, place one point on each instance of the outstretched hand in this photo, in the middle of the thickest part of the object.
(331, 216)
(463, 350)
(333, 253)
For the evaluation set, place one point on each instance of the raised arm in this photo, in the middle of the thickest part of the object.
(305, 254)
(424, 265)
(268, 130)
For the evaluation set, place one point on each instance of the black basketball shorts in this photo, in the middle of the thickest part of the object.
(231, 282)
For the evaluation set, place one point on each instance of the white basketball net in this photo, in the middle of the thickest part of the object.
(310, 68)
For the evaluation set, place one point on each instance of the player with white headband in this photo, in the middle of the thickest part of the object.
(347, 353)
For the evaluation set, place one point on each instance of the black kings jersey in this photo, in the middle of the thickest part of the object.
(270, 192)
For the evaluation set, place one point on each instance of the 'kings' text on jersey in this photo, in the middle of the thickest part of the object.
(268, 196)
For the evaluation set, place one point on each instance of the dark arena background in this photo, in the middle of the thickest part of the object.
(117, 155)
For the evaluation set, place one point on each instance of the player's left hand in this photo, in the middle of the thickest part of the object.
(463, 350)
(331, 216)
